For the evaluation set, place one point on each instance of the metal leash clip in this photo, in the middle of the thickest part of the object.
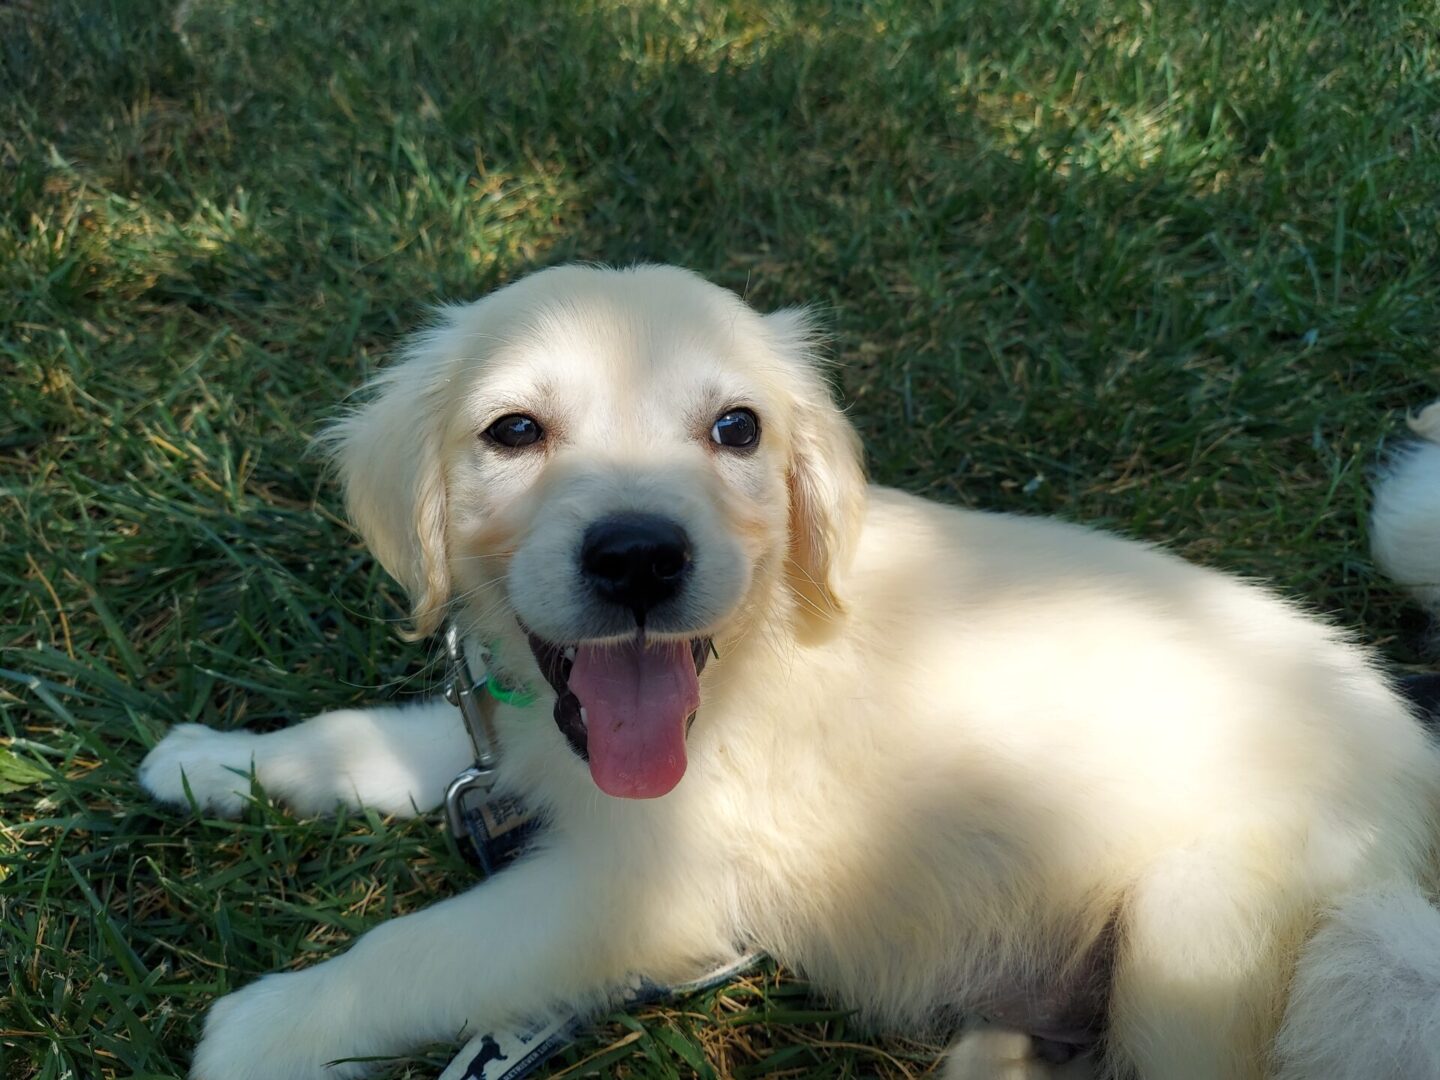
(489, 829)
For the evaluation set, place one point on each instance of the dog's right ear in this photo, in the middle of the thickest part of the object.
(388, 453)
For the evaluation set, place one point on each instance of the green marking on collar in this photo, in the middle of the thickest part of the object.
(519, 696)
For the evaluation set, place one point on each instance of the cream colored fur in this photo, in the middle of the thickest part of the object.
(939, 750)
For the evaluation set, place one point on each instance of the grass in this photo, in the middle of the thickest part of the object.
(1168, 268)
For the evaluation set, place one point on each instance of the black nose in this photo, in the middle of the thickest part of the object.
(637, 560)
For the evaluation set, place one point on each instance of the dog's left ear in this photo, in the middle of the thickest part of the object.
(827, 475)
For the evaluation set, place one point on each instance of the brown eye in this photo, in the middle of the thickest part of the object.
(515, 430)
(739, 429)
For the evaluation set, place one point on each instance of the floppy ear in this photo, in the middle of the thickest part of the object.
(827, 475)
(388, 455)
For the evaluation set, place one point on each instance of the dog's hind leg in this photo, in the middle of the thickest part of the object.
(1206, 946)
(395, 760)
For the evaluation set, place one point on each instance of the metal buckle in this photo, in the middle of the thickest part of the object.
(472, 784)
(464, 693)
(489, 829)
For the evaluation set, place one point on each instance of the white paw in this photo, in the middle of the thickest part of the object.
(987, 1052)
(216, 765)
(275, 1029)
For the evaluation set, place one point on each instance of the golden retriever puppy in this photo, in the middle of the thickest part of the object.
(1140, 818)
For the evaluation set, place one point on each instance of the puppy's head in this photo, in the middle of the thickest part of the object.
(616, 468)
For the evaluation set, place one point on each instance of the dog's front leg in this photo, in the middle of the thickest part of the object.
(395, 760)
(558, 928)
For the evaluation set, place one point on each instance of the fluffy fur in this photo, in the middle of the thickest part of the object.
(1366, 997)
(941, 754)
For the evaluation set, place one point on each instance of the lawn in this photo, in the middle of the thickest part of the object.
(1166, 268)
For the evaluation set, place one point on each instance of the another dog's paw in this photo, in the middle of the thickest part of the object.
(987, 1052)
(274, 1029)
(215, 764)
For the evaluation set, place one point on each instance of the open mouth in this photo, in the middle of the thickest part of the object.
(626, 707)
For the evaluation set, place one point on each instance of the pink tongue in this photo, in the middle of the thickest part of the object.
(636, 702)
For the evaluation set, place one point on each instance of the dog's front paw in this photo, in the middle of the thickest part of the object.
(275, 1029)
(215, 764)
